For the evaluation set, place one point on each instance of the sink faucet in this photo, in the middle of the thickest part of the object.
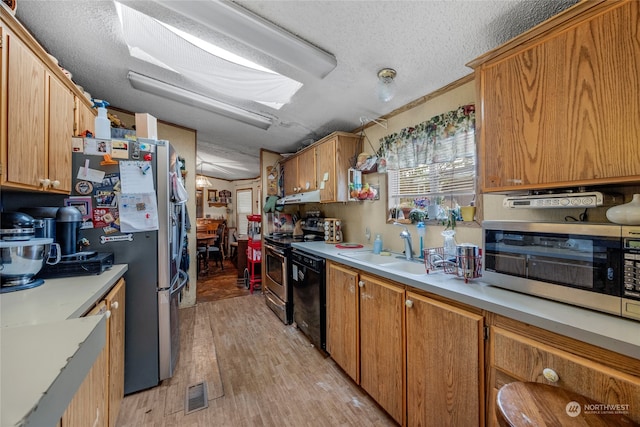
(408, 249)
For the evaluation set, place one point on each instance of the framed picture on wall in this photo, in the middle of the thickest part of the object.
(212, 195)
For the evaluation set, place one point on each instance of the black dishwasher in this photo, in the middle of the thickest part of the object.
(309, 296)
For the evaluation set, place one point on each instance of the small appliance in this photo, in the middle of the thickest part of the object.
(20, 261)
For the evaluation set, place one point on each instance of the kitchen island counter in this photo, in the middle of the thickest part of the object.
(47, 347)
(607, 331)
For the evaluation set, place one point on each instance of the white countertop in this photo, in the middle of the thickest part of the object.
(603, 330)
(46, 348)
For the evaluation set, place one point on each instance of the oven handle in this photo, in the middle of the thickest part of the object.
(275, 249)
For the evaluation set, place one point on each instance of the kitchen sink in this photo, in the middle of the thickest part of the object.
(392, 262)
(370, 257)
(410, 267)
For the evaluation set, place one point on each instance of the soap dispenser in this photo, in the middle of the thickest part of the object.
(377, 244)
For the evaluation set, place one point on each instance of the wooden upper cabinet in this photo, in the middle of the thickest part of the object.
(24, 141)
(38, 114)
(85, 117)
(307, 170)
(334, 157)
(61, 120)
(290, 167)
(559, 104)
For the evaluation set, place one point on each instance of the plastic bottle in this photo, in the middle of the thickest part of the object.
(102, 122)
(377, 244)
(421, 232)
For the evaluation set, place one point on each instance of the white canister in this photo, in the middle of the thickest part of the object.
(627, 214)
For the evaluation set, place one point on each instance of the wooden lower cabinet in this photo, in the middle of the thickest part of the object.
(420, 359)
(343, 339)
(89, 405)
(382, 350)
(519, 352)
(445, 364)
(115, 301)
(97, 401)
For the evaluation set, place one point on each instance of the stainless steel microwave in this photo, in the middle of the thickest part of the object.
(583, 264)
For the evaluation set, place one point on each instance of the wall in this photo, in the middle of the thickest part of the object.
(358, 216)
(220, 212)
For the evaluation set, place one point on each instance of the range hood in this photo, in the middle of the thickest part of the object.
(294, 199)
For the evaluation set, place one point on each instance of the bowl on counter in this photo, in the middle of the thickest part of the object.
(22, 259)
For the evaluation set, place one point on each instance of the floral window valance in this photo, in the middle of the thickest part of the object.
(443, 138)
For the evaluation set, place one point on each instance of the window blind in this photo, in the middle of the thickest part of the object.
(244, 203)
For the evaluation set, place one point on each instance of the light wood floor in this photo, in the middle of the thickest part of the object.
(259, 372)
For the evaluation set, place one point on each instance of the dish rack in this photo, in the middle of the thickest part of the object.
(467, 267)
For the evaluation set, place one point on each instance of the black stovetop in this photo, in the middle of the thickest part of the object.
(285, 239)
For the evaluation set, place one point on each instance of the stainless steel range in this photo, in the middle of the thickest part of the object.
(277, 290)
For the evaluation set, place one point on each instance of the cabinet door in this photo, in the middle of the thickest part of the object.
(525, 359)
(557, 113)
(290, 168)
(84, 118)
(26, 149)
(445, 360)
(307, 170)
(382, 356)
(342, 319)
(115, 303)
(61, 120)
(326, 166)
(89, 404)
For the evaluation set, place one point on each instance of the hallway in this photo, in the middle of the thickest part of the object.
(258, 371)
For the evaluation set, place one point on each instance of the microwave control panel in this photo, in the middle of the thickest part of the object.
(631, 281)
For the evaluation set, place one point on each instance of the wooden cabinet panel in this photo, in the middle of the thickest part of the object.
(25, 149)
(290, 168)
(382, 355)
(89, 405)
(525, 359)
(84, 118)
(555, 109)
(334, 158)
(342, 319)
(61, 119)
(307, 170)
(115, 301)
(445, 364)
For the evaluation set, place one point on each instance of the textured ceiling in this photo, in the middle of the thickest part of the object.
(427, 42)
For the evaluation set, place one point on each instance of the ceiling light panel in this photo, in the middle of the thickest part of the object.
(252, 30)
(157, 87)
(146, 34)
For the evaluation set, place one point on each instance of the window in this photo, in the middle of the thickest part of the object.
(432, 166)
(244, 202)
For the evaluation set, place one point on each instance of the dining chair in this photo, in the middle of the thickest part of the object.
(233, 243)
(215, 251)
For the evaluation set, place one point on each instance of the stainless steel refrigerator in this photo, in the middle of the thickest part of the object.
(154, 279)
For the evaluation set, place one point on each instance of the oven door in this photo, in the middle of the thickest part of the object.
(276, 271)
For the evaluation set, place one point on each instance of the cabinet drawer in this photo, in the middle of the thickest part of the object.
(525, 359)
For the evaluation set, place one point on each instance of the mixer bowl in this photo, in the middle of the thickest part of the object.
(21, 260)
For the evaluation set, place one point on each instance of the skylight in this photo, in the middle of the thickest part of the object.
(200, 62)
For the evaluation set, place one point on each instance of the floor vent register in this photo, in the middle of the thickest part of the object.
(196, 398)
